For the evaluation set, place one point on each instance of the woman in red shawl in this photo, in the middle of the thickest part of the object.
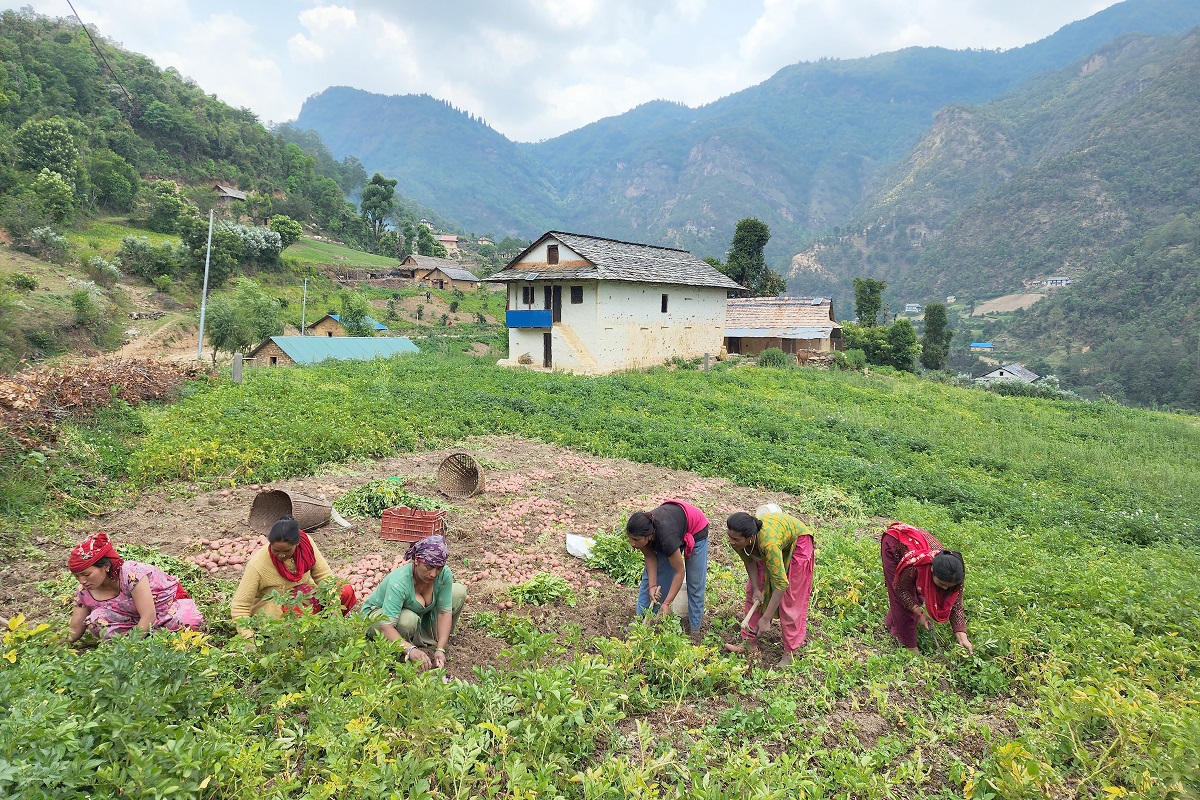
(292, 564)
(924, 585)
(115, 596)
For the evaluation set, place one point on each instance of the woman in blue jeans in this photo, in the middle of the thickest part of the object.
(673, 540)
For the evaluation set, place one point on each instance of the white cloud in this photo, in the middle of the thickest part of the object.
(537, 68)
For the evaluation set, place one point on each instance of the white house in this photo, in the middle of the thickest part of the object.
(1057, 282)
(1010, 372)
(590, 305)
(912, 308)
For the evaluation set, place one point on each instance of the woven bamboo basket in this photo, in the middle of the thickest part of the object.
(460, 475)
(269, 506)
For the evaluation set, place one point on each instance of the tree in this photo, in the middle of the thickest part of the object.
(868, 300)
(235, 323)
(746, 263)
(902, 345)
(47, 144)
(289, 230)
(427, 245)
(226, 250)
(53, 195)
(167, 210)
(353, 314)
(114, 181)
(378, 203)
(935, 344)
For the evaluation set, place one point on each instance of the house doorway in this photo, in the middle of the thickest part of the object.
(547, 351)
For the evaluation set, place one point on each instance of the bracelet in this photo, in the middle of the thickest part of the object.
(408, 652)
(440, 650)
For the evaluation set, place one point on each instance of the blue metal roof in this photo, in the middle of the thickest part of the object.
(981, 344)
(315, 349)
(379, 326)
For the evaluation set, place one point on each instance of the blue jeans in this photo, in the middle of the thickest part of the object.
(695, 572)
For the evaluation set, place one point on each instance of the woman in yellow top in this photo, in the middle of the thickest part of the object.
(777, 550)
(292, 564)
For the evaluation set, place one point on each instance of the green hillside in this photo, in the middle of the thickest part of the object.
(1055, 179)
(799, 151)
(1080, 597)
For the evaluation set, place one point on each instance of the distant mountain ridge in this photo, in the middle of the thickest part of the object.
(801, 151)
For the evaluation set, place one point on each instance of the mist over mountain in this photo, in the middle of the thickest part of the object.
(800, 151)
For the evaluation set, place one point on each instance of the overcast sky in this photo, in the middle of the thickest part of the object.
(534, 69)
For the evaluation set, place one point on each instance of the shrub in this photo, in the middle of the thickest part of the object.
(23, 283)
(139, 257)
(164, 283)
(851, 359)
(103, 272)
(774, 357)
(47, 243)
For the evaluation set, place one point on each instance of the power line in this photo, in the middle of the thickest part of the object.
(103, 58)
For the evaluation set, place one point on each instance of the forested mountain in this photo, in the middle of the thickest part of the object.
(1075, 174)
(799, 151)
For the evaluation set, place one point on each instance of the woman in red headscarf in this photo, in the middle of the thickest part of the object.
(290, 564)
(115, 596)
(924, 584)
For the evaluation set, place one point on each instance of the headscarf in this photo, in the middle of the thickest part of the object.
(938, 601)
(91, 550)
(431, 551)
(304, 556)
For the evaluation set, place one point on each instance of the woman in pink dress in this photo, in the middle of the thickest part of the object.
(115, 596)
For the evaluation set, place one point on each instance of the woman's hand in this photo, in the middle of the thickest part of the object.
(439, 659)
(655, 594)
(965, 642)
(764, 625)
(923, 619)
(418, 657)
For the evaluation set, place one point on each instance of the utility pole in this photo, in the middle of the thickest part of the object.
(303, 306)
(204, 291)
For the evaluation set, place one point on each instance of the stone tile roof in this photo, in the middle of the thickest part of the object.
(455, 273)
(779, 317)
(228, 191)
(613, 260)
(1011, 372)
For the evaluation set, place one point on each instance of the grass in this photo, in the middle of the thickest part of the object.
(1078, 524)
(311, 252)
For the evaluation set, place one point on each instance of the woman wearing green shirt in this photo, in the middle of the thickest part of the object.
(419, 603)
(777, 550)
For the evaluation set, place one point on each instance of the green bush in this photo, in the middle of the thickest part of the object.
(774, 357)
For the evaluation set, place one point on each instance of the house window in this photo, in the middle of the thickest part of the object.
(329, 333)
(664, 304)
(551, 254)
(576, 295)
(527, 295)
(274, 360)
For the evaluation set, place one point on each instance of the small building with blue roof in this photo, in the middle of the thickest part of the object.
(283, 351)
(331, 325)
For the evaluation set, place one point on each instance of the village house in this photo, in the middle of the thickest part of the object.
(1010, 372)
(227, 195)
(415, 264)
(591, 305)
(793, 324)
(331, 325)
(984, 347)
(912, 308)
(285, 351)
(448, 278)
(1057, 282)
(448, 241)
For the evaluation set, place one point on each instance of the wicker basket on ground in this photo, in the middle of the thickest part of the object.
(460, 475)
(269, 506)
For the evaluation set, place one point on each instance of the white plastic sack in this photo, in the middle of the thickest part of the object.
(679, 606)
(767, 508)
(579, 546)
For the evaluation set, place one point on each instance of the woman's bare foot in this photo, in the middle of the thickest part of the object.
(735, 648)
(787, 659)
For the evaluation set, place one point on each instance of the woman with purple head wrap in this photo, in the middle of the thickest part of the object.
(418, 603)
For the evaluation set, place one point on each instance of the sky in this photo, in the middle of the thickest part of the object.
(535, 69)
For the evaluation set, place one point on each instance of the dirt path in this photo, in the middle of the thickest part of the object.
(538, 493)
